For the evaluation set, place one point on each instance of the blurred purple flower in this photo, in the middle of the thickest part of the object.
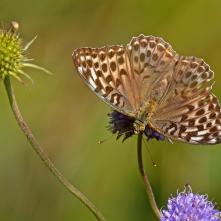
(187, 206)
(121, 124)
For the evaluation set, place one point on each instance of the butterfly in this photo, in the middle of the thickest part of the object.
(149, 81)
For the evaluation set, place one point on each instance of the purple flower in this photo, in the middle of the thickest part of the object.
(121, 124)
(187, 206)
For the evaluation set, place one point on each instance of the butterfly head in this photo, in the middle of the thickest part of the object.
(139, 126)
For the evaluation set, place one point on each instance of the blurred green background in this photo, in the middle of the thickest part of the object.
(68, 118)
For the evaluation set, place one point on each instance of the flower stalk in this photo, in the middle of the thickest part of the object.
(144, 176)
(12, 62)
(40, 152)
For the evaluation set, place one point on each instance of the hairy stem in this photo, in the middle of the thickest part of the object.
(144, 176)
(44, 157)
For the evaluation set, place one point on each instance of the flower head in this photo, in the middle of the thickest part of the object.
(123, 125)
(187, 206)
(13, 54)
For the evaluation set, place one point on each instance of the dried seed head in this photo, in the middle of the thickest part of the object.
(15, 25)
(12, 54)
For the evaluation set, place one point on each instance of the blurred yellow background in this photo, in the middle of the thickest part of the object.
(68, 118)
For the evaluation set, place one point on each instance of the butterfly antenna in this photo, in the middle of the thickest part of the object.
(126, 132)
(151, 157)
(104, 140)
(170, 141)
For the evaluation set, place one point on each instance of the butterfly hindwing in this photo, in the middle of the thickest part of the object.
(196, 123)
(189, 111)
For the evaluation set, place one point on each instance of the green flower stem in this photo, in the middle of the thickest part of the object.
(147, 185)
(39, 150)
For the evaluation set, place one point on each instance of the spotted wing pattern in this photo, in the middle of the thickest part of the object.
(152, 62)
(189, 111)
(127, 77)
(107, 72)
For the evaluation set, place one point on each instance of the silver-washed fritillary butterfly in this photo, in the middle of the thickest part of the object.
(149, 81)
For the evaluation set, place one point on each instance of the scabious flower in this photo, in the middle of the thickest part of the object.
(13, 54)
(123, 125)
(187, 206)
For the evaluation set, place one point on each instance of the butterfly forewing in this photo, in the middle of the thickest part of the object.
(148, 69)
(152, 62)
(107, 72)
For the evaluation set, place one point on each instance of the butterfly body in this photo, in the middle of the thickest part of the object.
(148, 81)
(143, 116)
